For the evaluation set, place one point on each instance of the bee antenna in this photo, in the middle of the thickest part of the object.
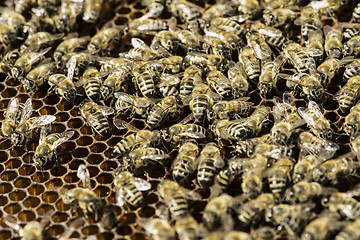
(340, 134)
(254, 91)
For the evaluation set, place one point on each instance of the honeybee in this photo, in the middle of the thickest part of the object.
(168, 84)
(273, 36)
(246, 148)
(95, 116)
(27, 126)
(189, 41)
(12, 18)
(356, 13)
(351, 125)
(63, 87)
(167, 39)
(272, 151)
(343, 203)
(203, 61)
(26, 62)
(138, 138)
(108, 220)
(231, 39)
(329, 68)
(227, 109)
(279, 17)
(238, 79)
(355, 145)
(140, 26)
(7, 36)
(180, 131)
(46, 149)
(297, 55)
(304, 191)
(128, 189)
(350, 231)
(269, 75)
(167, 106)
(39, 76)
(187, 228)
(228, 25)
(13, 115)
(219, 83)
(217, 212)
(352, 69)
(230, 130)
(251, 64)
(8, 61)
(333, 39)
(170, 64)
(38, 41)
(74, 63)
(159, 229)
(217, 47)
(101, 41)
(315, 44)
(155, 8)
(320, 147)
(334, 169)
(304, 166)
(279, 175)
(185, 162)
(70, 45)
(352, 46)
(187, 11)
(251, 211)
(250, 7)
(264, 233)
(316, 121)
(85, 199)
(309, 20)
(174, 196)
(321, 228)
(218, 10)
(144, 79)
(210, 160)
(92, 80)
(92, 10)
(348, 94)
(144, 155)
(191, 77)
(292, 217)
(141, 51)
(135, 105)
(257, 42)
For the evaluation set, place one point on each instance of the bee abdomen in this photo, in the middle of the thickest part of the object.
(186, 87)
(178, 207)
(155, 117)
(223, 179)
(206, 173)
(146, 85)
(92, 89)
(133, 195)
(125, 145)
(199, 106)
(102, 126)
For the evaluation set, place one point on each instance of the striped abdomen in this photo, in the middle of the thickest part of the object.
(277, 181)
(100, 124)
(132, 195)
(306, 27)
(169, 91)
(252, 70)
(125, 145)
(146, 84)
(206, 173)
(199, 104)
(178, 206)
(276, 41)
(349, 94)
(180, 170)
(356, 13)
(186, 86)
(92, 89)
(248, 213)
(155, 117)
(223, 179)
(300, 61)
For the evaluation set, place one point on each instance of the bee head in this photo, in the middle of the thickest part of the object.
(70, 95)
(346, 50)
(317, 93)
(166, 135)
(16, 72)
(16, 138)
(350, 129)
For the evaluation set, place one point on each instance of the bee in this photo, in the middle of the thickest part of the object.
(272, 151)
(252, 182)
(219, 83)
(95, 116)
(321, 228)
(85, 199)
(14, 113)
(334, 169)
(203, 61)
(351, 124)
(159, 229)
(167, 39)
(46, 149)
(189, 41)
(251, 8)
(180, 131)
(167, 106)
(352, 69)
(350, 231)
(69, 46)
(170, 64)
(343, 203)
(191, 77)
(75, 63)
(26, 62)
(348, 94)
(185, 162)
(247, 58)
(143, 155)
(101, 41)
(264, 233)
(237, 235)
(292, 217)
(238, 80)
(108, 220)
(39, 76)
(141, 51)
(140, 26)
(351, 30)
(352, 47)
(210, 160)
(7, 36)
(138, 138)
(187, 228)
(309, 20)
(280, 17)
(188, 12)
(273, 36)
(355, 145)
(279, 175)
(168, 84)
(217, 212)
(297, 55)
(66, 19)
(144, 79)
(63, 86)
(234, 41)
(228, 25)
(356, 13)
(92, 80)
(8, 61)
(246, 148)
(252, 211)
(235, 107)
(315, 119)
(333, 39)
(128, 189)
(304, 191)
(230, 130)
(269, 75)
(320, 147)
(38, 41)
(155, 8)
(174, 196)
(257, 42)
(315, 44)
(218, 10)
(217, 47)
(304, 166)
(12, 18)
(92, 10)
(329, 68)
(133, 104)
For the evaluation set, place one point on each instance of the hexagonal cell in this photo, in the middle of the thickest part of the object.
(40, 177)
(84, 140)
(22, 182)
(90, 230)
(27, 158)
(108, 165)
(36, 189)
(50, 197)
(51, 99)
(146, 212)
(128, 218)
(12, 208)
(124, 230)
(5, 234)
(17, 151)
(104, 178)
(44, 208)
(58, 128)
(17, 195)
(62, 117)
(3, 200)
(36, 104)
(95, 159)
(105, 236)
(60, 217)
(31, 202)
(13, 163)
(86, 130)
(40, 94)
(80, 152)
(102, 191)
(75, 123)
(9, 93)
(98, 147)
(5, 188)
(26, 216)
(61, 206)
(71, 177)
(56, 229)
(58, 171)
(5, 145)
(27, 170)
(8, 175)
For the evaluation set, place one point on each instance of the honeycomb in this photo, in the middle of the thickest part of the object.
(28, 194)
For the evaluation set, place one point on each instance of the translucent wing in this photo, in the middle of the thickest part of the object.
(219, 162)
(215, 97)
(142, 184)
(121, 124)
(304, 113)
(36, 56)
(84, 175)
(169, 80)
(106, 110)
(314, 108)
(71, 66)
(311, 65)
(44, 132)
(270, 32)
(12, 109)
(138, 43)
(262, 51)
(192, 133)
(27, 110)
(13, 223)
(160, 50)
(42, 120)
(63, 137)
(190, 194)
(288, 98)
(120, 197)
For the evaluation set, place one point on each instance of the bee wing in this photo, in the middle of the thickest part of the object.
(262, 50)
(53, 37)
(270, 32)
(120, 197)
(84, 175)
(13, 223)
(63, 137)
(44, 132)
(188, 118)
(121, 124)
(27, 110)
(304, 113)
(106, 110)
(42, 120)
(38, 55)
(11, 110)
(219, 162)
(215, 97)
(187, 99)
(239, 18)
(142, 184)
(288, 98)
(138, 43)
(169, 79)
(196, 135)
(313, 107)
(160, 50)
(71, 65)
(311, 65)
(190, 194)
